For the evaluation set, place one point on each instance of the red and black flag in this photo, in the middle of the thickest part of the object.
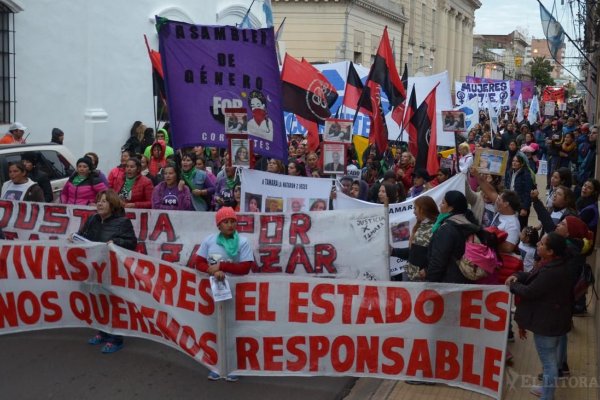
(424, 120)
(378, 133)
(306, 92)
(411, 110)
(384, 72)
(353, 91)
(398, 112)
(157, 73)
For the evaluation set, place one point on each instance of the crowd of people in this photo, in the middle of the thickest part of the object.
(539, 259)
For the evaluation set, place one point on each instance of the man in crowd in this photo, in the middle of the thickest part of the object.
(15, 134)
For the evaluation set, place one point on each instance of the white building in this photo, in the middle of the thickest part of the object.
(82, 66)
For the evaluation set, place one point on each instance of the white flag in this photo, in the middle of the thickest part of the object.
(534, 110)
(471, 110)
(493, 113)
(520, 116)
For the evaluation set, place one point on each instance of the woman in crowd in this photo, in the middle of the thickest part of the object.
(545, 307)
(134, 189)
(560, 177)
(225, 252)
(158, 158)
(587, 204)
(172, 193)
(426, 212)
(420, 185)
(30, 160)
(520, 179)
(453, 226)
(140, 138)
(84, 185)
(95, 160)
(117, 174)
(388, 193)
(443, 174)
(465, 157)
(563, 205)
(197, 181)
(201, 165)
(568, 151)
(295, 168)
(224, 188)
(19, 186)
(109, 225)
(312, 165)
(405, 169)
(237, 197)
(275, 166)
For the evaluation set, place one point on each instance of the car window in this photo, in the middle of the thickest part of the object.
(54, 165)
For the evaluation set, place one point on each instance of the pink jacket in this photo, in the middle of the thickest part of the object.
(85, 193)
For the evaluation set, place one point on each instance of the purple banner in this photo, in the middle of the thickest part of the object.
(516, 88)
(208, 69)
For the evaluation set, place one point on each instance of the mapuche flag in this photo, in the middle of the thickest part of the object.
(306, 92)
(424, 121)
(384, 72)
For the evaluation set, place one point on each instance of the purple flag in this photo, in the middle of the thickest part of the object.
(211, 68)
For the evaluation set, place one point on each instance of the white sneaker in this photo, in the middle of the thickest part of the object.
(536, 391)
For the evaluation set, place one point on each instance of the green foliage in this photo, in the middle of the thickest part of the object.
(541, 70)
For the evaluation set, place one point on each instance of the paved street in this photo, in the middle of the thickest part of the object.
(58, 364)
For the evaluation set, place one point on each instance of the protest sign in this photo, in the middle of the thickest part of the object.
(401, 215)
(296, 193)
(318, 243)
(498, 92)
(209, 69)
(276, 325)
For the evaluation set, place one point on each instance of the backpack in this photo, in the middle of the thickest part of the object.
(479, 260)
(584, 281)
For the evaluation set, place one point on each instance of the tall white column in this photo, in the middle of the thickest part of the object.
(451, 31)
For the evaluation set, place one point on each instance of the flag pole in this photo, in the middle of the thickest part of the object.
(247, 13)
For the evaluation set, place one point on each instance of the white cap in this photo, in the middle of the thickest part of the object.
(17, 126)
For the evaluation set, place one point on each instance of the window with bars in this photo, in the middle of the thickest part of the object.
(7, 65)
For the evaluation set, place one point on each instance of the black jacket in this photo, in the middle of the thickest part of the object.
(546, 299)
(42, 180)
(446, 247)
(116, 228)
(523, 185)
(543, 215)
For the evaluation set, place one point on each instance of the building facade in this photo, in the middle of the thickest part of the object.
(429, 35)
(505, 54)
(540, 48)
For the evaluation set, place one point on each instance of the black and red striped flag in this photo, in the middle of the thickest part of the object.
(424, 120)
(378, 133)
(399, 110)
(157, 73)
(384, 72)
(353, 92)
(411, 109)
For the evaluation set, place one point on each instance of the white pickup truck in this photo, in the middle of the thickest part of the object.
(53, 159)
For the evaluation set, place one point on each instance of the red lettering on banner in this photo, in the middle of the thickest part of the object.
(166, 282)
(11, 235)
(264, 314)
(119, 312)
(447, 365)
(168, 326)
(56, 216)
(273, 351)
(34, 262)
(163, 225)
(136, 318)
(245, 223)
(28, 307)
(247, 353)
(273, 223)
(420, 359)
(393, 294)
(437, 302)
(171, 252)
(101, 308)
(16, 257)
(144, 272)
(388, 350)
(467, 308)
(491, 369)
(367, 354)
(291, 346)
(56, 312)
(143, 234)
(318, 347)
(348, 292)
(492, 302)
(326, 305)
(325, 255)
(208, 306)
(99, 268)
(295, 302)
(141, 248)
(81, 272)
(27, 216)
(468, 357)
(369, 306)
(339, 364)
(299, 225)
(298, 256)
(7, 206)
(34, 236)
(191, 263)
(268, 258)
(186, 288)
(56, 266)
(8, 310)
(243, 300)
(4, 250)
(83, 214)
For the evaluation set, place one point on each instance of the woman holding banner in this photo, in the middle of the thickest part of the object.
(109, 225)
(20, 187)
(225, 252)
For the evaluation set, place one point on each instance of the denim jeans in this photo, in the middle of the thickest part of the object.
(548, 348)
(562, 351)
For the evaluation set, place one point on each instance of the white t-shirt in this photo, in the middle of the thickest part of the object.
(510, 225)
(16, 191)
(527, 255)
(212, 252)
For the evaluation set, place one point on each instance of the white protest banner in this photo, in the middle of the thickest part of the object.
(317, 243)
(498, 92)
(549, 108)
(268, 191)
(401, 215)
(276, 325)
(452, 334)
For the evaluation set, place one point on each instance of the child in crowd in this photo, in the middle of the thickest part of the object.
(529, 239)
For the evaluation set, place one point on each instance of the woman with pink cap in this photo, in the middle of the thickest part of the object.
(225, 252)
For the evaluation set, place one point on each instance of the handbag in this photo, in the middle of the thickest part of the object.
(478, 261)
